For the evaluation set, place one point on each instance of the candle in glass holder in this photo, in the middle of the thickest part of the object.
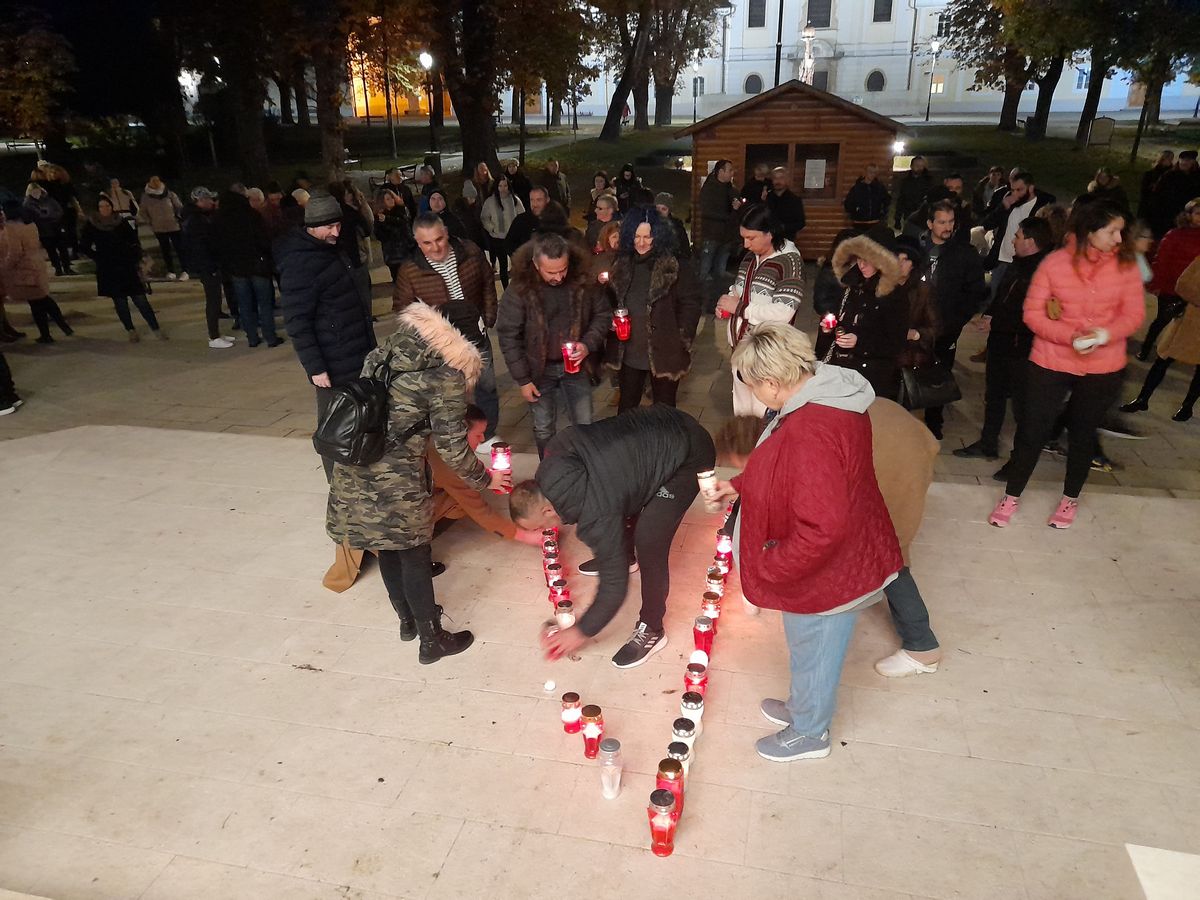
(710, 608)
(554, 572)
(550, 533)
(829, 321)
(691, 706)
(695, 678)
(662, 822)
(571, 712)
(670, 778)
(602, 278)
(610, 768)
(724, 543)
(683, 730)
(564, 613)
(593, 730)
(714, 581)
(502, 461)
(556, 596)
(549, 558)
(621, 324)
(680, 751)
(721, 564)
(702, 633)
(549, 547)
(570, 364)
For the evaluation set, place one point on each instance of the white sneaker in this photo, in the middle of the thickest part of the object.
(229, 337)
(171, 276)
(220, 344)
(185, 277)
(901, 665)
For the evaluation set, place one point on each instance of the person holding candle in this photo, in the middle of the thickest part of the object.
(769, 288)
(553, 300)
(639, 466)
(662, 298)
(813, 538)
(387, 507)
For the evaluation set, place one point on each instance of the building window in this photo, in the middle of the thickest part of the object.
(820, 13)
(753, 84)
(821, 80)
(1082, 78)
(883, 11)
(756, 14)
(939, 85)
(943, 25)
(876, 82)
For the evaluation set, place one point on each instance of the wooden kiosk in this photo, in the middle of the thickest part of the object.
(824, 141)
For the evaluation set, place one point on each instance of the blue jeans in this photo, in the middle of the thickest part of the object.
(577, 399)
(909, 614)
(487, 397)
(255, 298)
(817, 648)
(714, 257)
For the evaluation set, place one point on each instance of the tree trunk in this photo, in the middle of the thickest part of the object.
(1012, 101)
(285, 100)
(637, 52)
(300, 89)
(1091, 102)
(664, 97)
(515, 119)
(1153, 100)
(329, 66)
(556, 113)
(470, 72)
(437, 112)
(1036, 127)
(521, 122)
(641, 100)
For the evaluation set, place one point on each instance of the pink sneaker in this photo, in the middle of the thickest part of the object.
(1003, 512)
(1065, 514)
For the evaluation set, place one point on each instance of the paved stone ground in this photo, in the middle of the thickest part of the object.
(99, 378)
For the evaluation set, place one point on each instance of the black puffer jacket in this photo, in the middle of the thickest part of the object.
(322, 308)
(199, 241)
(598, 475)
(114, 246)
(240, 239)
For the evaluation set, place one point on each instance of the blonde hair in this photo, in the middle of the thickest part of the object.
(775, 352)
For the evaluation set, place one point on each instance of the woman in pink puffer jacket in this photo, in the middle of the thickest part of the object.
(1085, 300)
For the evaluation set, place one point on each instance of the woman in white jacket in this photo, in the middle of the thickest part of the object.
(497, 216)
(769, 288)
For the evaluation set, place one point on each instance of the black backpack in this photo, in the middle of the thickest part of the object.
(353, 430)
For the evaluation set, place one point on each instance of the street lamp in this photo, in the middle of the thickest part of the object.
(809, 67)
(695, 88)
(426, 61)
(936, 46)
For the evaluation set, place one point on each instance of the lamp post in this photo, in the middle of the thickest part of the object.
(936, 46)
(809, 67)
(695, 88)
(426, 60)
(779, 45)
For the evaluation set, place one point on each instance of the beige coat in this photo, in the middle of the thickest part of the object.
(904, 452)
(23, 271)
(1180, 340)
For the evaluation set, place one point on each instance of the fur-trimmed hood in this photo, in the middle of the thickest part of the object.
(852, 249)
(428, 340)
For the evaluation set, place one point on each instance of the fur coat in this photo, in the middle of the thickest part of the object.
(389, 505)
(674, 314)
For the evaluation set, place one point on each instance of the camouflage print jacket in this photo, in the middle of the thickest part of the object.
(389, 505)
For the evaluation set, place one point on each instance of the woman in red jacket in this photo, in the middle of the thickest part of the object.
(1084, 301)
(814, 539)
(1175, 253)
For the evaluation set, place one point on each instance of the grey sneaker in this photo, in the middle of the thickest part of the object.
(775, 711)
(643, 644)
(789, 745)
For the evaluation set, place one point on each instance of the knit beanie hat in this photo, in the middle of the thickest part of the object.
(664, 199)
(322, 209)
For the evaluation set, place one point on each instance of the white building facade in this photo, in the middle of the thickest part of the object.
(874, 52)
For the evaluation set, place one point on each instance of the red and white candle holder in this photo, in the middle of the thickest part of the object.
(714, 581)
(502, 462)
(670, 778)
(571, 712)
(592, 719)
(621, 324)
(662, 822)
(695, 678)
(724, 544)
(554, 572)
(702, 633)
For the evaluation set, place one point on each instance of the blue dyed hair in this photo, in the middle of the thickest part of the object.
(660, 230)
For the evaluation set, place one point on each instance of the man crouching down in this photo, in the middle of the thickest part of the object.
(634, 474)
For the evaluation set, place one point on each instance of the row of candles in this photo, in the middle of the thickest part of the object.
(667, 799)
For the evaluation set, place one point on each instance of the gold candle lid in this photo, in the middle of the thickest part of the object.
(591, 713)
(570, 697)
(670, 769)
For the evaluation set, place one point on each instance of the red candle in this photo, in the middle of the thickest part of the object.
(550, 547)
(502, 461)
(714, 582)
(570, 365)
(593, 730)
(670, 778)
(724, 543)
(554, 573)
(721, 314)
(702, 634)
(695, 679)
(571, 712)
(621, 324)
(662, 822)
(555, 595)
(602, 278)
(829, 321)
(550, 534)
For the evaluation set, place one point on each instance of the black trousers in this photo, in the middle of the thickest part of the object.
(8, 390)
(166, 241)
(1169, 307)
(944, 350)
(408, 577)
(498, 250)
(324, 398)
(633, 381)
(44, 311)
(1004, 380)
(143, 306)
(56, 249)
(1046, 394)
(212, 304)
(1155, 377)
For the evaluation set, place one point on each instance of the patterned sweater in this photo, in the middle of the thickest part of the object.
(776, 290)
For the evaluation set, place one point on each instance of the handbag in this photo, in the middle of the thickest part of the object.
(925, 386)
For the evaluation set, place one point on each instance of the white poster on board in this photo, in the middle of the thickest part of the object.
(814, 174)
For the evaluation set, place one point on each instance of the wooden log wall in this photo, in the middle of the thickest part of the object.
(798, 119)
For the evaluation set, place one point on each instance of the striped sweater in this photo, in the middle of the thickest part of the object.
(776, 290)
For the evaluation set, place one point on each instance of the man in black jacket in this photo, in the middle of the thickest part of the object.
(200, 256)
(910, 193)
(524, 225)
(1007, 209)
(663, 201)
(641, 466)
(784, 204)
(243, 250)
(867, 201)
(322, 309)
(1009, 340)
(955, 275)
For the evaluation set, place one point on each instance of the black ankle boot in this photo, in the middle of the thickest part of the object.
(436, 642)
(1184, 414)
(1138, 404)
(408, 629)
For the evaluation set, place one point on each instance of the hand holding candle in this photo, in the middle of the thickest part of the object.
(574, 353)
(621, 324)
(828, 322)
(502, 462)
